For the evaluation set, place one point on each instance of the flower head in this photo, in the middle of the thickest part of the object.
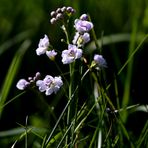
(22, 84)
(83, 26)
(81, 39)
(99, 61)
(51, 54)
(43, 45)
(70, 55)
(49, 84)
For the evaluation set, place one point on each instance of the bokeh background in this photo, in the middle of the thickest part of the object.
(26, 21)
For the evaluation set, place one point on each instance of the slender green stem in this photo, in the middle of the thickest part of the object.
(95, 38)
(71, 69)
(59, 119)
(66, 32)
(132, 54)
(26, 132)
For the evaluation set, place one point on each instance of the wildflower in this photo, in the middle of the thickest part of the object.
(83, 26)
(43, 45)
(22, 84)
(70, 55)
(81, 39)
(51, 54)
(49, 84)
(99, 61)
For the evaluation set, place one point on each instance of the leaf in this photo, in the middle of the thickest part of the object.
(13, 69)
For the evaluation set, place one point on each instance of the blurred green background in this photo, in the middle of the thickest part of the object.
(24, 22)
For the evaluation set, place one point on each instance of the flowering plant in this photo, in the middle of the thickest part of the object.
(83, 88)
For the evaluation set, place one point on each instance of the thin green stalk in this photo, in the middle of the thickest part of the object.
(126, 94)
(66, 32)
(14, 98)
(143, 135)
(59, 119)
(129, 58)
(82, 121)
(125, 132)
(132, 54)
(94, 137)
(65, 135)
(95, 38)
(71, 68)
(26, 135)
(74, 123)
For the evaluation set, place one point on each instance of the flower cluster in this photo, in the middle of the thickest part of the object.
(82, 26)
(81, 37)
(49, 84)
(44, 47)
(70, 55)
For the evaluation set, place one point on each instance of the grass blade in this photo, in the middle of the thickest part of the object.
(15, 64)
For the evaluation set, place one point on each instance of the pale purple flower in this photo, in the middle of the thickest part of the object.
(81, 39)
(100, 61)
(51, 54)
(22, 84)
(49, 84)
(85, 37)
(83, 26)
(76, 38)
(54, 86)
(70, 55)
(43, 45)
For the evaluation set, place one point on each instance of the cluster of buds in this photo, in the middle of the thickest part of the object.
(60, 14)
(82, 26)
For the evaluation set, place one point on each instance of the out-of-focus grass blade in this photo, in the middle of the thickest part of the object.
(12, 132)
(17, 39)
(113, 38)
(12, 73)
(22, 132)
(16, 131)
(143, 136)
(127, 84)
(54, 139)
(100, 139)
(143, 108)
